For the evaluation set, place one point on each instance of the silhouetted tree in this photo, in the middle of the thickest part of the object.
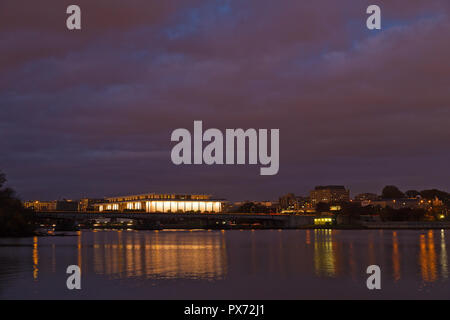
(392, 192)
(2, 179)
(15, 220)
(251, 207)
(322, 207)
(435, 193)
(403, 214)
(352, 210)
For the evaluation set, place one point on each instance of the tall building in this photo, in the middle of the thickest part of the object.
(288, 202)
(291, 202)
(156, 202)
(329, 194)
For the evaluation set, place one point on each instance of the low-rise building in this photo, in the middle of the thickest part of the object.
(54, 205)
(157, 202)
(87, 204)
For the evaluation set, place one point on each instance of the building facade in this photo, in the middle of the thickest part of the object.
(329, 194)
(55, 205)
(167, 203)
(288, 202)
(88, 204)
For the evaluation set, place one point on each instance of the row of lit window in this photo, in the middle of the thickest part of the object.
(166, 206)
(159, 196)
(134, 206)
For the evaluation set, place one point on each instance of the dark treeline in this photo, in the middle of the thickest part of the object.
(392, 192)
(251, 207)
(354, 211)
(15, 220)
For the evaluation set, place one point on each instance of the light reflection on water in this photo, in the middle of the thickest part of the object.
(165, 255)
(35, 258)
(395, 256)
(443, 257)
(234, 260)
(325, 252)
(428, 257)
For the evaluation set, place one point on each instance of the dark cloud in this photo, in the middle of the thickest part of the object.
(90, 112)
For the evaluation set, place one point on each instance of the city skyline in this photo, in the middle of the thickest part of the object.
(345, 191)
(90, 112)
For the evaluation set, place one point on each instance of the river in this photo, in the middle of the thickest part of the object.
(231, 264)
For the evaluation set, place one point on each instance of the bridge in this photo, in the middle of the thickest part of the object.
(187, 220)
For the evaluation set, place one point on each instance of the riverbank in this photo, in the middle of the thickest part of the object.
(407, 225)
(18, 234)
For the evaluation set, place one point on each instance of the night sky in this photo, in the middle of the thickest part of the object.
(90, 112)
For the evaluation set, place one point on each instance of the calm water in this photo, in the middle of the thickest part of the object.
(262, 264)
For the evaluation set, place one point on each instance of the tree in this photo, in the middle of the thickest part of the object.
(15, 220)
(353, 211)
(322, 207)
(2, 179)
(251, 207)
(402, 214)
(435, 193)
(392, 192)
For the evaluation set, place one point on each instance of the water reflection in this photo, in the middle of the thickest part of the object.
(371, 250)
(160, 255)
(395, 256)
(443, 258)
(79, 253)
(405, 256)
(352, 260)
(35, 257)
(324, 252)
(427, 257)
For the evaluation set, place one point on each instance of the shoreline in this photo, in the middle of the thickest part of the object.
(378, 226)
(411, 225)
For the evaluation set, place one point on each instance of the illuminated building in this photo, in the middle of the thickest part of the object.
(324, 221)
(154, 202)
(55, 205)
(87, 204)
(288, 202)
(329, 194)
